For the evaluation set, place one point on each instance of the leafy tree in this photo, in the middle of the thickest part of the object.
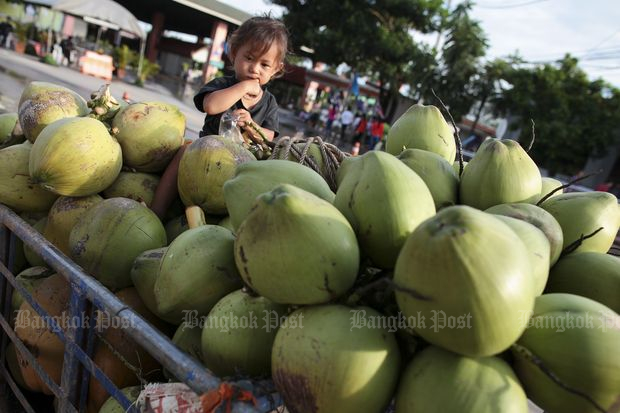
(371, 36)
(458, 76)
(574, 117)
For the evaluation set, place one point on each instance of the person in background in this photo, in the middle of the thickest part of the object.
(360, 129)
(6, 28)
(376, 131)
(258, 49)
(346, 119)
(67, 47)
(604, 186)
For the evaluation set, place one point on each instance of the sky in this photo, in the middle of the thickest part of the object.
(539, 30)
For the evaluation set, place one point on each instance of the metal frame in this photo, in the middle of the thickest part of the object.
(88, 294)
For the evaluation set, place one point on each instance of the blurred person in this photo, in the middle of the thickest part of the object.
(346, 119)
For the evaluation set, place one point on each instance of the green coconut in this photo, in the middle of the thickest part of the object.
(177, 225)
(384, 200)
(13, 364)
(52, 294)
(500, 172)
(187, 338)
(444, 382)
(138, 186)
(206, 165)
(75, 157)
(109, 237)
(422, 127)
(112, 406)
(121, 358)
(144, 273)
(296, 248)
(226, 222)
(63, 216)
(437, 174)
(197, 270)
(469, 275)
(582, 213)
(548, 186)
(538, 247)
(238, 334)
(321, 364)
(150, 134)
(456, 166)
(30, 278)
(32, 257)
(7, 124)
(16, 190)
(43, 103)
(576, 340)
(590, 274)
(538, 217)
(256, 177)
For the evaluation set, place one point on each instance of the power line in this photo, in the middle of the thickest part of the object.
(509, 6)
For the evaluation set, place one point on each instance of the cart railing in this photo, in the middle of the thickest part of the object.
(79, 336)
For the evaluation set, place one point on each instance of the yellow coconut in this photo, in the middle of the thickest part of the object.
(75, 157)
(43, 103)
(62, 217)
(150, 133)
(16, 190)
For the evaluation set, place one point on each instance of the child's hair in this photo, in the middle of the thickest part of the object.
(261, 33)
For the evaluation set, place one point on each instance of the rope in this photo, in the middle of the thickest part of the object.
(296, 148)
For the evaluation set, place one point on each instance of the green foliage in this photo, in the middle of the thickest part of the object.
(20, 31)
(455, 78)
(373, 37)
(149, 69)
(574, 117)
(49, 59)
(124, 56)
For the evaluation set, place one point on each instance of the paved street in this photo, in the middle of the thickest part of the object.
(17, 70)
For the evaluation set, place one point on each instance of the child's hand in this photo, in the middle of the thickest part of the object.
(252, 88)
(243, 117)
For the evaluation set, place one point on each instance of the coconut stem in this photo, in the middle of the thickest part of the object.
(409, 291)
(575, 244)
(195, 216)
(529, 148)
(566, 185)
(532, 358)
(457, 138)
(360, 292)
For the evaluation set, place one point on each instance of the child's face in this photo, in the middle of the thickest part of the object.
(248, 65)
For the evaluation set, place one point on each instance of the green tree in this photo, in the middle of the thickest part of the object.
(574, 117)
(373, 37)
(459, 73)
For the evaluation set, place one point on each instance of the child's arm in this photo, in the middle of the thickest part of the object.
(221, 100)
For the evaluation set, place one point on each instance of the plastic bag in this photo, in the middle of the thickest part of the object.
(228, 127)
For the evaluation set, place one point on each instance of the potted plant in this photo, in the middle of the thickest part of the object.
(21, 36)
(123, 56)
(149, 69)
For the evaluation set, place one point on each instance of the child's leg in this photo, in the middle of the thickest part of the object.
(167, 190)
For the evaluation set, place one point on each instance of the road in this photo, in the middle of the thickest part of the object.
(17, 70)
